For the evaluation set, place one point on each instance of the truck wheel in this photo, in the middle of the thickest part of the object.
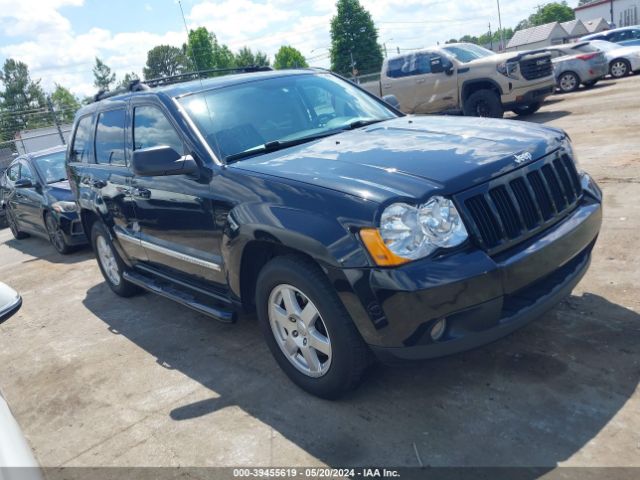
(568, 82)
(110, 263)
(527, 109)
(13, 226)
(307, 329)
(483, 103)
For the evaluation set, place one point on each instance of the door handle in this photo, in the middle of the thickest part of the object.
(141, 192)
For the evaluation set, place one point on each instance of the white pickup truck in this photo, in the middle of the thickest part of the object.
(466, 78)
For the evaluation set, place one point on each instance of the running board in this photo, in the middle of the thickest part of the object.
(166, 290)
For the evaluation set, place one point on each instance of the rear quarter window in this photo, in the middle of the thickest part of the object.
(80, 148)
(110, 131)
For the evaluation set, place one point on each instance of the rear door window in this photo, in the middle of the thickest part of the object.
(151, 128)
(110, 137)
(409, 65)
(82, 140)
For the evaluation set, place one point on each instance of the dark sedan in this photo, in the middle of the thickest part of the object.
(37, 200)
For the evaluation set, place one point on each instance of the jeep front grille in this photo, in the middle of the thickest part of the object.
(533, 68)
(520, 204)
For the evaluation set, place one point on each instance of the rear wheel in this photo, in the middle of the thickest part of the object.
(111, 265)
(527, 109)
(307, 329)
(619, 68)
(14, 226)
(568, 82)
(56, 237)
(483, 103)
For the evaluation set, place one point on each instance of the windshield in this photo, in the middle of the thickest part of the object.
(262, 115)
(467, 53)
(51, 167)
(604, 45)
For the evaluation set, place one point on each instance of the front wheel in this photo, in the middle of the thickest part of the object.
(56, 236)
(483, 103)
(110, 263)
(307, 329)
(619, 68)
(527, 109)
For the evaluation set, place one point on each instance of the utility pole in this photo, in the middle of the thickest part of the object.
(353, 65)
(490, 37)
(55, 119)
(502, 45)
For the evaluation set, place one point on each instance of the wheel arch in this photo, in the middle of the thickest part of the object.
(472, 86)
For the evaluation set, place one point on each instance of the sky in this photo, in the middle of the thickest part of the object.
(59, 39)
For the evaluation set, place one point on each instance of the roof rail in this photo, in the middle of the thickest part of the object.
(185, 77)
(139, 85)
(134, 86)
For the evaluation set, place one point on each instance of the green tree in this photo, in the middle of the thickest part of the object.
(289, 57)
(354, 40)
(64, 103)
(22, 100)
(165, 61)
(206, 52)
(551, 12)
(245, 57)
(102, 76)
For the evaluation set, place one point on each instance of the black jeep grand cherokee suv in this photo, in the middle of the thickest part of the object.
(350, 227)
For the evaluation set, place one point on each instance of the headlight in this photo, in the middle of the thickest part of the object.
(407, 232)
(64, 207)
(508, 69)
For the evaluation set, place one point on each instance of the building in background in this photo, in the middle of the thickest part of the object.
(596, 25)
(619, 13)
(538, 37)
(575, 29)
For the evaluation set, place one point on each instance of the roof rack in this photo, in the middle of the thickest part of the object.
(139, 85)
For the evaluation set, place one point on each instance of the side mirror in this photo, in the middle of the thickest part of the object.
(10, 302)
(392, 100)
(162, 161)
(23, 183)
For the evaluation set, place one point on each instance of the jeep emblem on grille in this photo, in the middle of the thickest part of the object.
(523, 157)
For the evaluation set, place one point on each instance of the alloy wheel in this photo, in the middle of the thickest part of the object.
(619, 69)
(108, 260)
(299, 330)
(55, 234)
(568, 82)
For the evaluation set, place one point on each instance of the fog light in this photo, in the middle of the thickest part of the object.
(437, 331)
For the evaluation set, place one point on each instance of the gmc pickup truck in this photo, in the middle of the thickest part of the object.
(466, 78)
(352, 230)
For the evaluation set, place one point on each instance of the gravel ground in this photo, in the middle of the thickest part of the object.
(98, 380)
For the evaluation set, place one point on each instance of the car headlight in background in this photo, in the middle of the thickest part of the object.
(410, 232)
(64, 207)
(508, 69)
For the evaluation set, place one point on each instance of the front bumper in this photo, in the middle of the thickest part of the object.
(481, 297)
(528, 94)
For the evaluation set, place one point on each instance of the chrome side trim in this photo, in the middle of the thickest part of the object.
(168, 252)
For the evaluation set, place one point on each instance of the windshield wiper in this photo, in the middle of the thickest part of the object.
(56, 181)
(362, 123)
(279, 145)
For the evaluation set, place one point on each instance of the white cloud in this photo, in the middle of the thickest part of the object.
(56, 53)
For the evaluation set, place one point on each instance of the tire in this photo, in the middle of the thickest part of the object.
(523, 110)
(619, 68)
(568, 82)
(483, 103)
(56, 237)
(341, 358)
(14, 226)
(110, 263)
(590, 83)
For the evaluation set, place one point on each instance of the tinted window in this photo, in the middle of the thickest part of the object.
(414, 64)
(394, 67)
(25, 172)
(635, 34)
(13, 172)
(81, 140)
(110, 137)
(151, 129)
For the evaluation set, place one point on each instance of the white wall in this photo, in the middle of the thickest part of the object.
(631, 7)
